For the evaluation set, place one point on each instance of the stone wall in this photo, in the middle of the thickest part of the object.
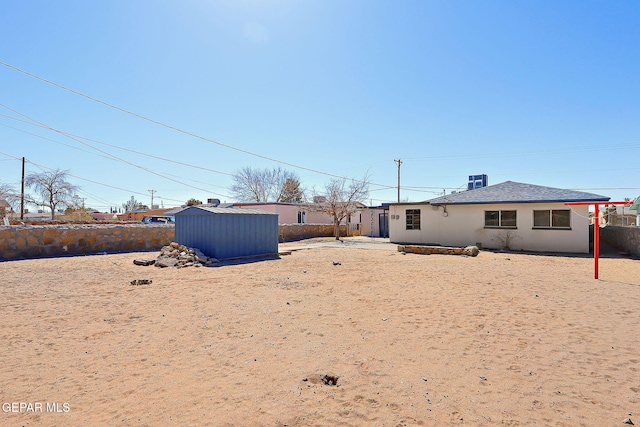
(292, 232)
(626, 239)
(37, 241)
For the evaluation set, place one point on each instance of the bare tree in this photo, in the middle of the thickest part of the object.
(9, 194)
(342, 198)
(52, 187)
(263, 185)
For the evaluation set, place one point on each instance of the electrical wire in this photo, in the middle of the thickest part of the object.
(103, 143)
(104, 152)
(176, 129)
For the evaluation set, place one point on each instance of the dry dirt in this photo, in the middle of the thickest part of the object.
(382, 339)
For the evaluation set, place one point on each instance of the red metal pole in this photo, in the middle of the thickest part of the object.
(596, 239)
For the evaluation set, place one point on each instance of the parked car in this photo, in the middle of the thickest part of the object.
(158, 219)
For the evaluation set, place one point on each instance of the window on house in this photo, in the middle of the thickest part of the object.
(413, 219)
(500, 219)
(552, 218)
(302, 217)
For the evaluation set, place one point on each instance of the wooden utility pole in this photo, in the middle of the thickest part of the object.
(398, 162)
(22, 194)
(151, 191)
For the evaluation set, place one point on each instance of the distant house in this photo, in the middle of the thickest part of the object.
(296, 213)
(5, 208)
(511, 215)
(103, 216)
(620, 215)
(635, 207)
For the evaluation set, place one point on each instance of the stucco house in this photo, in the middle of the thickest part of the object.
(5, 208)
(295, 213)
(511, 215)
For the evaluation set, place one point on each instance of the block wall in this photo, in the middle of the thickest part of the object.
(626, 239)
(37, 241)
(292, 232)
(59, 240)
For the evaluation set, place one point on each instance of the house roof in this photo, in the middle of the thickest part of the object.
(4, 204)
(225, 211)
(516, 192)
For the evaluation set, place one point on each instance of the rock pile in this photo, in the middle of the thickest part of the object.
(177, 255)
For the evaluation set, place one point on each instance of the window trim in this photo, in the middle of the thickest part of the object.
(414, 213)
(500, 226)
(550, 226)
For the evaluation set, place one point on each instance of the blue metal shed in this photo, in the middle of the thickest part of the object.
(227, 232)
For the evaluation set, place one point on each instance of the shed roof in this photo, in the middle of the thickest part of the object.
(225, 211)
(516, 192)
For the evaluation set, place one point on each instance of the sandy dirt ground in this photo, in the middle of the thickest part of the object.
(380, 339)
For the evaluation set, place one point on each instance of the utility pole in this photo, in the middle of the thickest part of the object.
(151, 191)
(22, 194)
(398, 162)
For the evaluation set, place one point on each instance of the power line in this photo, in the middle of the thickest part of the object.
(174, 128)
(43, 168)
(102, 151)
(102, 143)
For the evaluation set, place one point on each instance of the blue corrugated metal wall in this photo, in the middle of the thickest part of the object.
(227, 235)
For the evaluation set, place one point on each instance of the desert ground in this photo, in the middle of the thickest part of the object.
(325, 336)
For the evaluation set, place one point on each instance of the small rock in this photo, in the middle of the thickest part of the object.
(483, 378)
(337, 263)
(628, 421)
(138, 282)
(330, 380)
(144, 261)
(470, 251)
(164, 261)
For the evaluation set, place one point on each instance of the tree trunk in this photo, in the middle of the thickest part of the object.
(336, 228)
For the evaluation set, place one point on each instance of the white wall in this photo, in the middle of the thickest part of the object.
(288, 213)
(464, 225)
(370, 222)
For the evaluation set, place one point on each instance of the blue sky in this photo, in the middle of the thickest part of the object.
(541, 92)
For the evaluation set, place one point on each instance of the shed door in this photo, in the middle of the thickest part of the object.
(383, 223)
